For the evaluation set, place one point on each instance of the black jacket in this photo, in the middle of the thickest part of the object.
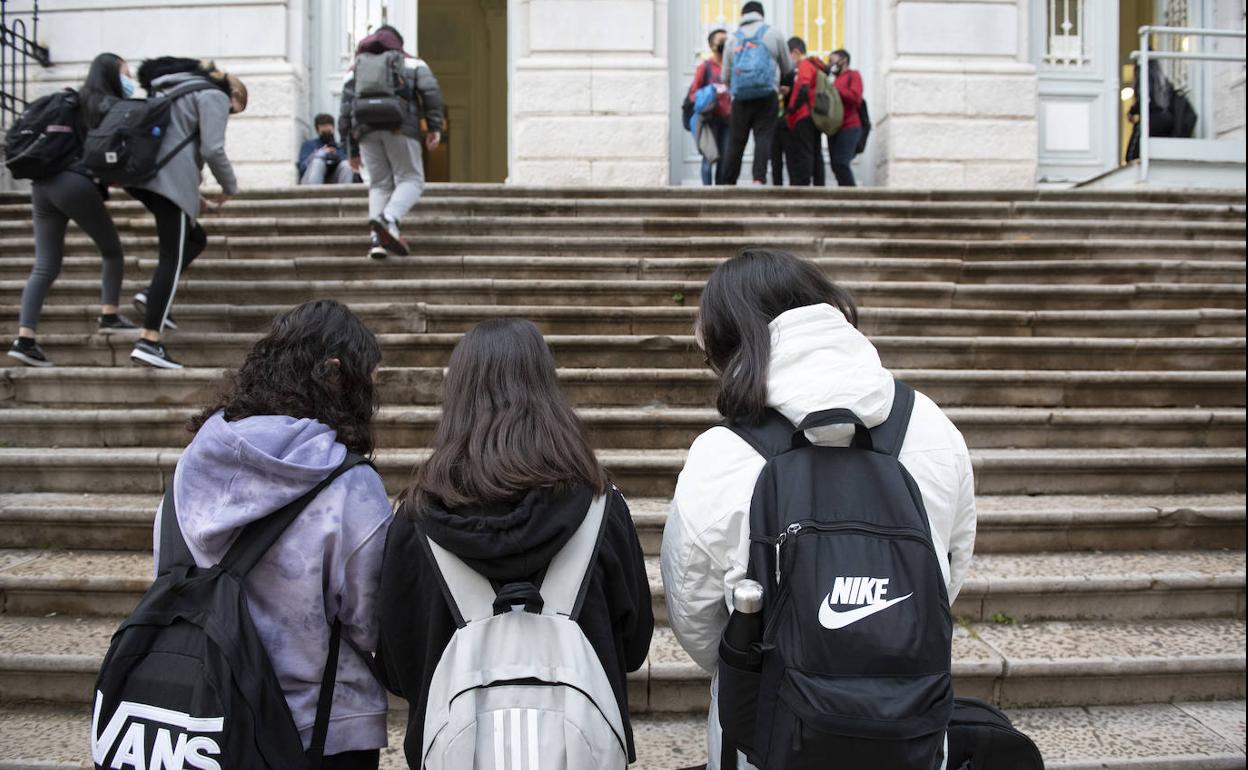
(509, 542)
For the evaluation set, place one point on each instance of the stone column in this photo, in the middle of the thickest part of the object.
(588, 92)
(960, 95)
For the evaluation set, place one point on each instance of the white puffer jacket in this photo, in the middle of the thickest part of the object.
(818, 361)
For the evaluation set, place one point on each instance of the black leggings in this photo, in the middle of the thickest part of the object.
(181, 241)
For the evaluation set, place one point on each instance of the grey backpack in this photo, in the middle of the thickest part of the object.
(381, 92)
(518, 685)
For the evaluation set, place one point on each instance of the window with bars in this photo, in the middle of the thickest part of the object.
(1066, 42)
(821, 23)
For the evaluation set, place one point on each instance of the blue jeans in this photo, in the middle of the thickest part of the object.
(721, 141)
(841, 146)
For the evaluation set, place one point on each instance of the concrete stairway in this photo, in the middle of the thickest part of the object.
(1090, 346)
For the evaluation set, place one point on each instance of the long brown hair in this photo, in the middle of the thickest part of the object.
(506, 427)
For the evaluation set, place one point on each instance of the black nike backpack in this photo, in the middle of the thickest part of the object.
(981, 737)
(854, 662)
(125, 148)
(186, 677)
(46, 138)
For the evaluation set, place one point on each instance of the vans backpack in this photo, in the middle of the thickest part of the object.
(753, 69)
(518, 685)
(380, 89)
(829, 110)
(45, 139)
(856, 647)
(127, 148)
(981, 737)
(187, 682)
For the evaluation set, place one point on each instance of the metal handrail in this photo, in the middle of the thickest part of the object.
(1144, 54)
(17, 48)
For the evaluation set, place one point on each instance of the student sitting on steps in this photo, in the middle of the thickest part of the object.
(514, 597)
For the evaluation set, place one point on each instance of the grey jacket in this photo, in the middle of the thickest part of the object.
(775, 41)
(427, 104)
(206, 111)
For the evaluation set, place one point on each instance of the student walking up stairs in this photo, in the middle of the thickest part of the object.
(1090, 347)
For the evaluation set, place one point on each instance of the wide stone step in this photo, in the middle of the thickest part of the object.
(650, 293)
(652, 473)
(607, 351)
(399, 317)
(139, 386)
(667, 428)
(842, 268)
(1127, 585)
(1047, 664)
(1006, 524)
(1197, 736)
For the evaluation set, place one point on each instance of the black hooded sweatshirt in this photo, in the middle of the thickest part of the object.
(508, 542)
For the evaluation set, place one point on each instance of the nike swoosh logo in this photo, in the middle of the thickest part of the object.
(832, 620)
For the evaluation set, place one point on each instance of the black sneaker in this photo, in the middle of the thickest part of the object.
(153, 354)
(387, 232)
(28, 352)
(116, 324)
(376, 250)
(140, 304)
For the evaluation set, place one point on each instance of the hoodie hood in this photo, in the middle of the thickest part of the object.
(236, 472)
(510, 540)
(820, 361)
(753, 17)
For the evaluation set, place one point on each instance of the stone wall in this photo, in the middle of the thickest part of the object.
(960, 94)
(1228, 79)
(588, 92)
(252, 40)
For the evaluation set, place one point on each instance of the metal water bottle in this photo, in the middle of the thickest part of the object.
(745, 625)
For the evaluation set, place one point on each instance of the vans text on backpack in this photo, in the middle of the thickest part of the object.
(125, 149)
(753, 69)
(828, 111)
(46, 137)
(855, 654)
(186, 677)
(380, 89)
(519, 682)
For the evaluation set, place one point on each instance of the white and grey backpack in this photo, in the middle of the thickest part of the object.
(519, 687)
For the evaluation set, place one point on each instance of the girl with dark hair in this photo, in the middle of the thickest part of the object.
(74, 195)
(781, 336)
(172, 195)
(509, 480)
(303, 398)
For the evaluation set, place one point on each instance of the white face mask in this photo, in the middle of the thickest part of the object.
(127, 86)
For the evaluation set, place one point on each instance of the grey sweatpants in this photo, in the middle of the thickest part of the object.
(55, 201)
(396, 173)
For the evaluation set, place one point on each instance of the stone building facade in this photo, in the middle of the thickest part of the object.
(963, 93)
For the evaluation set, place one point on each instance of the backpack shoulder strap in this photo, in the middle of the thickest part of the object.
(771, 437)
(567, 578)
(174, 552)
(888, 436)
(259, 536)
(469, 594)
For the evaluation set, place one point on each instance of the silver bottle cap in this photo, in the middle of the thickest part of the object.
(747, 597)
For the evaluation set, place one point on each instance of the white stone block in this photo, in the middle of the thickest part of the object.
(1000, 176)
(543, 91)
(272, 96)
(923, 175)
(943, 139)
(629, 92)
(613, 173)
(591, 25)
(1005, 96)
(957, 29)
(551, 172)
(262, 139)
(914, 94)
(600, 137)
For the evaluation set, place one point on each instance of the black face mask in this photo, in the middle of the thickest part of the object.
(327, 137)
(719, 48)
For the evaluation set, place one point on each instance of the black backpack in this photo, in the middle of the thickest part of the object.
(854, 663)
(125, 149)
(981, 737)
(46, 138)
(186, 674)
(865, 117)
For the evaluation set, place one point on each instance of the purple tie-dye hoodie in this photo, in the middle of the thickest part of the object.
(328, 563)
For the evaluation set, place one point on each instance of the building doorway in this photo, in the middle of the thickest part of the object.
(464, 42)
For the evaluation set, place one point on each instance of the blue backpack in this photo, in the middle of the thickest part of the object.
(753, 70)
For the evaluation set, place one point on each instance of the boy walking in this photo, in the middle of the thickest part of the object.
(380, 120)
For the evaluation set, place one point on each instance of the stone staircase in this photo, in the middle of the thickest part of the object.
(1090, 346)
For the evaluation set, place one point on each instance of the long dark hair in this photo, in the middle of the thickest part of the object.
(742, 297)
(289, 372)
(506, 427)
(102, 86)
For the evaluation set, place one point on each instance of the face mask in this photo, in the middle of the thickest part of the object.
(836, 68)
(719, 48)
(127, 86)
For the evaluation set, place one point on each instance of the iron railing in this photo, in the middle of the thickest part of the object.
(1144, 55)
(17, 50)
